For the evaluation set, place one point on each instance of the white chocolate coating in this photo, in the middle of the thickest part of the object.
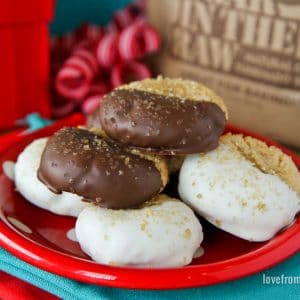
(35, 191)
(233, 194)
(165, 234)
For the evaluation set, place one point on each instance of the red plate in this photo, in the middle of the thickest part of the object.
(43, 242)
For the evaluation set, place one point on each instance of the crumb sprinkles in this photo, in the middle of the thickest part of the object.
(183, 89)
(270, 160)
(262, 207)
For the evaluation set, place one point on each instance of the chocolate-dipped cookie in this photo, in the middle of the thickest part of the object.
(164, 116)
(32, 189)
(78, 161)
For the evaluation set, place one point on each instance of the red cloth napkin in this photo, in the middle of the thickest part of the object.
(12, 288)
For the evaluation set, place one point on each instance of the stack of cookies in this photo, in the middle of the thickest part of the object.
(120, 163)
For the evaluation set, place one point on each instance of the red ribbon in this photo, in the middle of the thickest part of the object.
(100, 59)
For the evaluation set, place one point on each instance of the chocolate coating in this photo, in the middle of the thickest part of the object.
(161, 124)
(78, 161)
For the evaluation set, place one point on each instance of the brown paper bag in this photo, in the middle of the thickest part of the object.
(246, 50)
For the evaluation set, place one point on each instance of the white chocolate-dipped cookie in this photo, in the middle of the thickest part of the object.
(243, 187)
(163, 233)
(35, 191)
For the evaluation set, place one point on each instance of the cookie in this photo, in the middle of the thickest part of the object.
(162, 233)
(174, 162)
(243, 187)
(93, 120)
(164, 116)
(35, 191)
(78, 161)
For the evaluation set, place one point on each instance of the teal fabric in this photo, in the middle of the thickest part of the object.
(34, 121)
(251, 287)
(69, 14)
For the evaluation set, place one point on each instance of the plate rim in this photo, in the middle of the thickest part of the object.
(273, 252)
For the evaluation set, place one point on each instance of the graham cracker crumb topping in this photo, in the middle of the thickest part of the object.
(177, 87)
(270, 160)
